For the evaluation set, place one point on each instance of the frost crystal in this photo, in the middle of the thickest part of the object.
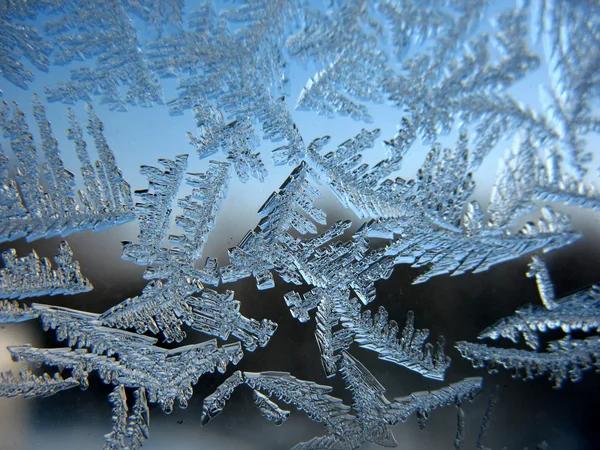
(121, 357)
(31, 276)
(264, 248)
(29, 385)
(105, 32)
(126, 359)
(455, 84)
(345, 41)
(448, 71)
(333, 269)
(570, 45)
(424, 225)
(433, 229)
(134, 426)
(153, 209)
(236, 138)
(181, 298)
(524, 177)
(34, 210)
(422, 403)
(18, 40)
(410, 351)
(565, 358)
(243, 71)
(367, 420)
(13, 312)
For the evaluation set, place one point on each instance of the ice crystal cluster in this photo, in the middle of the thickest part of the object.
(452, 79)
(566, 358)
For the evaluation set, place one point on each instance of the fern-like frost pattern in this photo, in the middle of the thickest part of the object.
(564, 359)
(367, 420)
(32, 276)
(447, 71)
(31, 210)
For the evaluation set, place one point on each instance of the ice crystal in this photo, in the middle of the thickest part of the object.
(486, 419)
(344, 40)
(133, 427)
(29, 385)
(449, 234)
(564, 358)
(570, 45)
(126, 358)
(33, 210)
(181, 298)
(31, 276)
(199, 213)
(153, 210)
(13, 311)
(255, 255)
(243, 71)
(236, 138)
(526, 177)
(333, 270)
(367, 420)
(175, 296)
(17, 40)
(456, 79)
(472, 88)
(269, 409)
(447, 72)
(424, 226)
(378, 334)
(105, 32)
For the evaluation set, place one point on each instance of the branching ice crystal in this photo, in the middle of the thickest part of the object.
(264, 248)
(175, 296)
(121, 357)
(568, 33)
(235, 138)
(429, 218)
(269, 409)
(330, 342)
(525, 177)
(456, 78)
(181, 298)
(565, 358)
(153, 209)
(13, 312)
(199, 214)
(132, 427)
(432, 229)
(17, 40)
(345, 42)
(427, 225)
(367, 420)
(468, 87)
(32, 209)
(378, 334)
(242, 71)
(452, 74)
(104, 31)
(30, 276)
(29, 385)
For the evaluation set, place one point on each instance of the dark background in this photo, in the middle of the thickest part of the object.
(456, 307)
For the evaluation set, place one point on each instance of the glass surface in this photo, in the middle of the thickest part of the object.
(284, 73)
